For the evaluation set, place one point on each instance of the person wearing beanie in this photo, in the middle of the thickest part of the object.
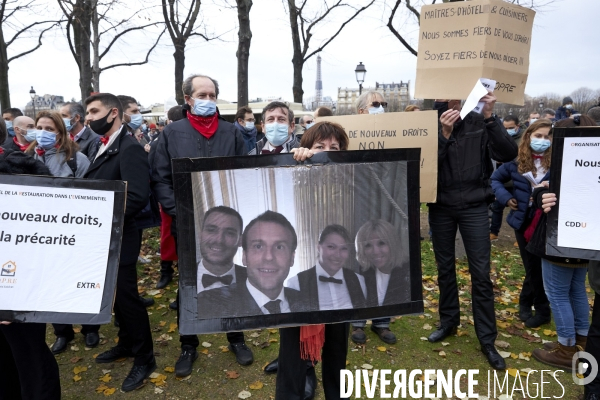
(566, 110)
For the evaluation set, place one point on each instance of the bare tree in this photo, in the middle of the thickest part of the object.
(584, 98)
(93, 29)
(302, 27)
(243, 51)
(11, 12)
(180, 30)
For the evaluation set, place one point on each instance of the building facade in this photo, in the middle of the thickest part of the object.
(397, 96)
(45, 102)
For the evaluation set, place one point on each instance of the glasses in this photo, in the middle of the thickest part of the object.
(309, 122)
(376, 104)
(250, 120)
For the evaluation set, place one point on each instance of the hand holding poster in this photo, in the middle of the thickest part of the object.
(574, 224)
(460, 42)
(59, 247)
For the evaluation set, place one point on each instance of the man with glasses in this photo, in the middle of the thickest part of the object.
(244, 121)
(200, 133)
(306, 121)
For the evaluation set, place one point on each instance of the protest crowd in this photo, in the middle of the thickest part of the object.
(486, 163)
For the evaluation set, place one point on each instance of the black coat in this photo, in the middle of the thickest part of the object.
(126, 160)
(464, 161)
(398, 290)
(236, 301)
(11, 145)
(88, 143)
(308, 287)
(179, 139)
(17, 162)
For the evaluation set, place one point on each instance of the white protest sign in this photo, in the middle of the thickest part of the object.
(54, 246)
(578, 217)
(472, 103)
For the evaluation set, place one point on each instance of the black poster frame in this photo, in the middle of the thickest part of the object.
(120, 194)
(186, 233)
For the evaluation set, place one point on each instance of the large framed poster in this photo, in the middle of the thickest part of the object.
(265, 241)
(574, 224)
(60, 240)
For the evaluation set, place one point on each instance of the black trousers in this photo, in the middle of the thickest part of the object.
(474, 229)
(28, 370)
(66, 330)
(291, 374)
(532, 293)
(593, 345)
(134, 325)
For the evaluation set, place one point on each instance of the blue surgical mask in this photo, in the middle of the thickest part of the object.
(308, 126)
(136, 121)
(276, 133)
(378, 110)
(68, 124)
(513, 131)
(249, 125)
(9, 128)
(204, 108)
(540, 145)
(46, 140)
(30, 135)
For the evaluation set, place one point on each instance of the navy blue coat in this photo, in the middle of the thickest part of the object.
(522, 191)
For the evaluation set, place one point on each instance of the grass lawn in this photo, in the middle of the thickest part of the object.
(217, 376)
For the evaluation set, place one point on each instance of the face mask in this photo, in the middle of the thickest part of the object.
(9, 128)
(102, 126)
(378, 110)
(136, 121)
(249, 126)
(30, 136)
(204, 107)
(569, 106)
(532, 121)
(441, 107)
(512, 132)
(45, 139)
(540, 145)
(308, 126)
(144, 127)
(68, 124)
(276, 133)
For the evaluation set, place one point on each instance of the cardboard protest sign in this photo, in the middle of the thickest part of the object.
(262, 237)
(460, 42)
(59, 248)
(574, 224)
(398, 131)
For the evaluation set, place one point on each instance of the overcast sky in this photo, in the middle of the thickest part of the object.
(564, 56)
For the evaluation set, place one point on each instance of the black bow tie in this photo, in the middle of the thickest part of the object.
(273, 306)
(208, 280)
(330, 279)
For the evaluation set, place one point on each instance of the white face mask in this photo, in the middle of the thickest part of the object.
(532, 121)
(378, 110)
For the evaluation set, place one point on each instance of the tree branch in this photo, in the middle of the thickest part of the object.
(192, 20)
(414, 11)
(137, 63)
(168, 22)
(390, 25)
(28, 27)
(35, 48)
(120, 34)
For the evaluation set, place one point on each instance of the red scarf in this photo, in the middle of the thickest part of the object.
(40, 151)
(22, 147)
(538, 156)
(312, 339)
(104, 140)
(207, 126)
(1, 150)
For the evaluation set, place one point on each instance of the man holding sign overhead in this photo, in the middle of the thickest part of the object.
(465, 147)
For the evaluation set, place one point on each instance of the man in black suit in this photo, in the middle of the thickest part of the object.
(120, 157)
(269, 246)
(73, 114)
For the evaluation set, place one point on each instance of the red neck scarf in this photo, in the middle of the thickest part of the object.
(207, 126)
(1, 150)
(538, 156)
(40, 151)
(104, 140)
(22, 147)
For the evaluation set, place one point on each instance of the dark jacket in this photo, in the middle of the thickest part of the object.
(398, 290)
(88, 143)
(19, 163)
(249, 136)
(179, 139)
(537, 244)
(236, 301)
(292, 144)
(11, 145)
(522, 191)
(464, 161)
(594, 275)
(308, 287)
(126, 160)
(563, 112)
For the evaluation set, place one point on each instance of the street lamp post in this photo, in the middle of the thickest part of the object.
(360, 72)
(32, 94)
(541, 105)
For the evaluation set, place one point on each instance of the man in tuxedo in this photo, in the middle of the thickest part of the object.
(328, 284)
(120, 157)
(269, 246)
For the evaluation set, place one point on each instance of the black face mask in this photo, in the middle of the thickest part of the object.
(441, 107)
(101, 126)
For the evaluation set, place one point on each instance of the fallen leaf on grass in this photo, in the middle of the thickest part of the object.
(95, 355)
(75, 359)
(74, 348)
(158, 390)
(233, 374)
(224, 349)
(78, 370)
(106, 371)
(445, 344)
(77, 378)
(159, 380)
(423, 338)
(109, 392)
(442, 354)
(101, 388)
(162, 323)
(381, 348)
(273, 330)
(524, 356)
(505, 335)
(427, 327)
(504, 354)
(244, 394)
(204, 351)
(502, 344)
(549, 332)
(169, 369)
(206, 344)
(513, 356)
(513, 372)
(460, 333)
(185, 378)
(256, 385)
(106, 378)
(172, 328)
(367, 366)
(502, 325)
(273, 340)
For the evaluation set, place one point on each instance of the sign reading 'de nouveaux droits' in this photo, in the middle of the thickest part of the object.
(460, 42)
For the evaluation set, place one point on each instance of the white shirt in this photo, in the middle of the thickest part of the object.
(332, 296)
(76, 137)
(270, 147)
(540, 171)
(261, 299)
(103, 146)
(383, 281)
(202, 271)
